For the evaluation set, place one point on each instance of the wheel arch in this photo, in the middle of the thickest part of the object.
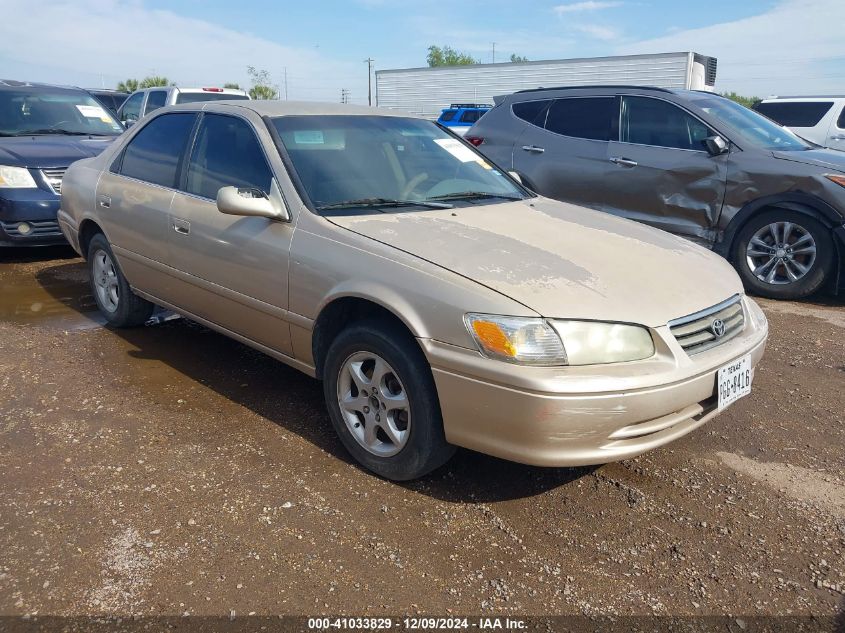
(341, 312)
(87, 230)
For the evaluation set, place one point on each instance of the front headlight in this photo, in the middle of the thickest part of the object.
(595, 342)
(535, 341)
(16, 178)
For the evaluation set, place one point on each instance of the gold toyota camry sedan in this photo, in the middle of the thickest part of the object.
(440, 302)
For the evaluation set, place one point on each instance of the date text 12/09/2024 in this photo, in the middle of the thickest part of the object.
(417, 623)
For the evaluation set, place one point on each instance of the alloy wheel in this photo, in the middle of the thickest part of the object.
(781, 253)
(105, 281)
(374, 404)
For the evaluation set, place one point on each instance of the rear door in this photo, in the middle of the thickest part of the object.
(155, 99)
(563, 150)
(233, 270)
(134, 197)
(836, 135)
(660, 171)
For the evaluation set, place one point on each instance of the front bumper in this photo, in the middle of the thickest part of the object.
(34, 207)
(572, 416)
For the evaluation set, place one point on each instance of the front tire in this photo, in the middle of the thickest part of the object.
(120, 306)
(383, 402)
(783, 254)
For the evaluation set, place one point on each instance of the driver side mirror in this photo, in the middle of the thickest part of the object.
(716, 145)
(248, 202)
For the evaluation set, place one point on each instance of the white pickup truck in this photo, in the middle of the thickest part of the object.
(142, 102)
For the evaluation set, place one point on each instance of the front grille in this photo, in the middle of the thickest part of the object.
(39, 228)
(54, 178)
(700, 331)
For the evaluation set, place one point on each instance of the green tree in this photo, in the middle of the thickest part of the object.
(516, 59)
(262, 84)
(130, 85)
(448, 56)
(232, 85)
(746, 101)
(154, 82)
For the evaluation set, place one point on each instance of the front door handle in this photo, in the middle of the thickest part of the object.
(105, 201)
(533, 148)
(625, 162)
(181, 226)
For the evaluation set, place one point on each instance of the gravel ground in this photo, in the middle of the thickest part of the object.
(169, 470)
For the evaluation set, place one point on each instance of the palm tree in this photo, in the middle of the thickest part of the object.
(130, 85)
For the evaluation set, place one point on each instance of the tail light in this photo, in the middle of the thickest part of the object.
(475, 140)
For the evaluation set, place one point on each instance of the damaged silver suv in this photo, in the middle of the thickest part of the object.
(691, 163)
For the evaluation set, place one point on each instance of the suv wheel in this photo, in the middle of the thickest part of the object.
(783, 254)
(115, 299)
(383, 403)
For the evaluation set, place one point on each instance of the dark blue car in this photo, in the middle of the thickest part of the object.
(43, 129)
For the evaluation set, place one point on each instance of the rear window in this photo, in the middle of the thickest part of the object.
(582, 117)
(194, 97)
(531, 111)
(841, 122)
(448, 115)
(795, 113)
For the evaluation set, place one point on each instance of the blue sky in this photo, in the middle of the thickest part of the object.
(764, 46)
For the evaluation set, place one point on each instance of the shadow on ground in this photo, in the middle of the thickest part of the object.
(292, 400)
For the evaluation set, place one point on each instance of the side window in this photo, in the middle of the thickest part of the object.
(448, 115)
(471, 116)
(226, 154)
(841, 122)
(155, 100)
(795, 113)
(153, 154)
(132, 107)
(531, 111)
(584, 117)
(647, 121)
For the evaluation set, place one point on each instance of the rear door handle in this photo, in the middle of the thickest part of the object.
(533, 148)
(838, 137)
(181, 226)
(105, 201)
(625, 162)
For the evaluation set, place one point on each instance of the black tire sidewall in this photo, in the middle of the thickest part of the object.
(807, 285)
(131, 310)
(426, 448)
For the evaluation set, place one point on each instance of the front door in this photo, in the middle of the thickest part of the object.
(661, 171)
(233, 270)
(563, 154)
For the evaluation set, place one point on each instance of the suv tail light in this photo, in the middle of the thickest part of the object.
(475, 140)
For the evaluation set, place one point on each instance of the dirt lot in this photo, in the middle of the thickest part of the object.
(169, 470)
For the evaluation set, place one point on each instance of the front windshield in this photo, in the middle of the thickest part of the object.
(40, 112)
(751, 126)
(352, 161)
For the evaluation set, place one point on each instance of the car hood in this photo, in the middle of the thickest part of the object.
(561, 260)
(823, 158)
(50, 151)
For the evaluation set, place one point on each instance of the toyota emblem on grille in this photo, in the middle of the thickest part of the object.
(718, 328)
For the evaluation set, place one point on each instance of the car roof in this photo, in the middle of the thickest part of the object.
(13, 84)
(802, 98)
(291, 108)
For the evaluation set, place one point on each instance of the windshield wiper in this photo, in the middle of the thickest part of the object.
(383, 202)
(48, 130)
(472, 195)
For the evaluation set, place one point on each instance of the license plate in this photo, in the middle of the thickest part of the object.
(734, 381)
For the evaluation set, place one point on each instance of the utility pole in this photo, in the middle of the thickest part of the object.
(344, 95)
(369, 62)
(494, 52)
(286, 83)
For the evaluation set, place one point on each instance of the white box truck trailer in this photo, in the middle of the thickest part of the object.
(427, 91)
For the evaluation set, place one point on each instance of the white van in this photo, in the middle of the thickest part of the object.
(817, 119)
(142, 102)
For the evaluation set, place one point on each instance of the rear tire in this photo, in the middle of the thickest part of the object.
(782, 254)
(120, 306)
(383, 402)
